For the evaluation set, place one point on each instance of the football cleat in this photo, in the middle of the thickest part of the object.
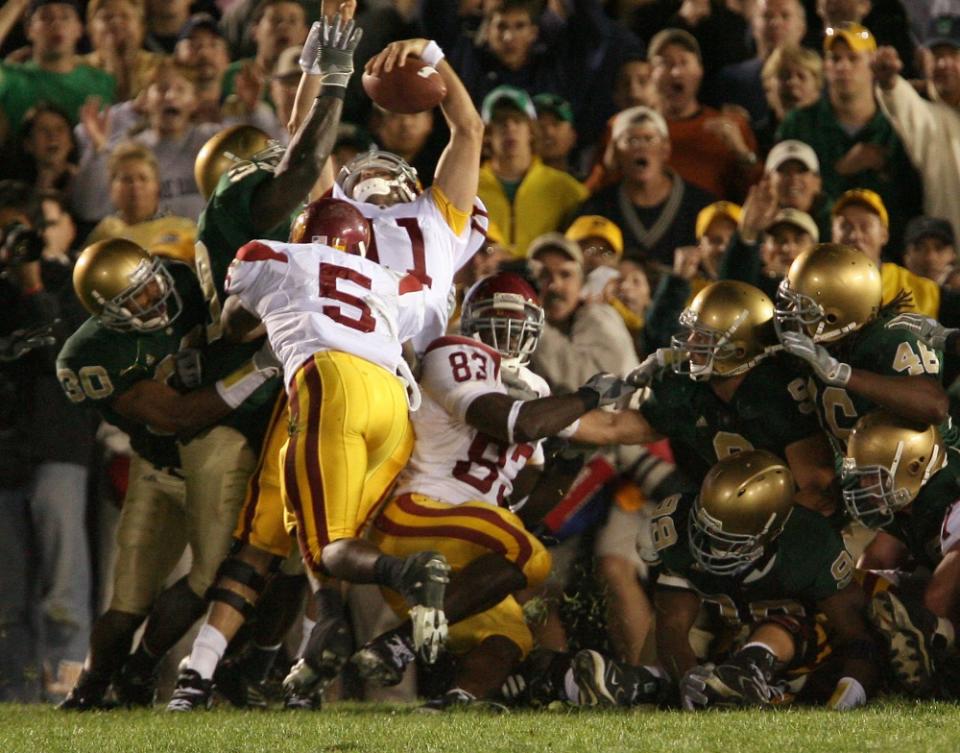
(607, 682)
(329, 648)
(192, 692)
(239, 690)
(423, 583)
(385, 658)
(135, 689)
(539, 680)
(740, 683)
(457, 698)
(88, 694)
(908, 630)
(295, 702)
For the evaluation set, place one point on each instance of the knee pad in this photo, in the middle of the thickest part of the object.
(245, 574)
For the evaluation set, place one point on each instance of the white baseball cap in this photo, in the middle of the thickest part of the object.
(791, 149)
(634, 115)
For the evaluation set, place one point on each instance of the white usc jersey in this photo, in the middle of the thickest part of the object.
(453, 462)
(415, 237)
(315, 298)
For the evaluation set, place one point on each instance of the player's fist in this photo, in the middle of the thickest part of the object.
(886, 66)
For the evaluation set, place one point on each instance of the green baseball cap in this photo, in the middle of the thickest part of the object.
(509, 96)
(555, 105)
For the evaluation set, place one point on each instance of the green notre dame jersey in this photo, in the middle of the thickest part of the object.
(882, 350)
(767, 412)
(225, 225)
(99, 364)
(919, 525)
(806, 564)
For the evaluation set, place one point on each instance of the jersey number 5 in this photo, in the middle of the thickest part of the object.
(329, 275)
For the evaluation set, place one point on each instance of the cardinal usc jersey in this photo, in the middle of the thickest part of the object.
(452, 462)
(422, 237)
(314, 298)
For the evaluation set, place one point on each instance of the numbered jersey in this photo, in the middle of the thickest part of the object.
(313, 298)
(99, 364)
(806, 564)
(453, 462)
(418, 237)
(924, 525)
(881, 350)
(768, 412)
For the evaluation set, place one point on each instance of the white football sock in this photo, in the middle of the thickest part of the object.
(208, 650)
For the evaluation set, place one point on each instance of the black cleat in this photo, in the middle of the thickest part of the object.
(740, 683)
(456, 698)
(328, 650)
(423, 584)
(88, 694)
(603, 681)
(385, 658)
(192, 692)
(135, 690)
(239, 690)
(538, 681)
(296, 702)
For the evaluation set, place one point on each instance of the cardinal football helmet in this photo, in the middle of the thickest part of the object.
(240, 146)
(335, 223)
(379, 174)
(727, 329)
(743, 505)
(502, 311)
(124, 287)
(888, 461)
(829, 291)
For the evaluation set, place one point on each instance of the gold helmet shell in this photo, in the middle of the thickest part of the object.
(225, 149)
(124, 287)
(727, 329)
(888, 461)
(829, 291)
(743, 505)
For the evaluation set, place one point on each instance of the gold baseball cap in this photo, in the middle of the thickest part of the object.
(865, 197)
(710, 212)
(595, 226)
(856, 36)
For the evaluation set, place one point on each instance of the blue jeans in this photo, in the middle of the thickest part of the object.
(45, 584)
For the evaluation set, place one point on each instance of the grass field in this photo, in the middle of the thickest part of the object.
(898, 727)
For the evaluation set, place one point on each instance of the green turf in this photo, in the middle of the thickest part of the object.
(896, 727)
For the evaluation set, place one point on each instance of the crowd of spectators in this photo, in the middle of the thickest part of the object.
(635, 151)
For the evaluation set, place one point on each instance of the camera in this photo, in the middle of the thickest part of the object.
(19, 244)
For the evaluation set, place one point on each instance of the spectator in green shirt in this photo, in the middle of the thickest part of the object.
(54, 73)
(856, 144)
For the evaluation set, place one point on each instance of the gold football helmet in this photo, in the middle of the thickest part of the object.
(727, 328)
(829, 291)
(743, 505)
(888, 461)
(124, 287)
(230, 147)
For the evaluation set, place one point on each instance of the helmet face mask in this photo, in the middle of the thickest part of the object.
(380, 178)
(870, 493)
(502, 311)
(705, 348)
(718, 552)
(150, 303)
(796, 312)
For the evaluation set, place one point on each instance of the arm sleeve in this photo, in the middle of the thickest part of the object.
(918, 123)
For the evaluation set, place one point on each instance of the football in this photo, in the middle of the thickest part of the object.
(412, 87)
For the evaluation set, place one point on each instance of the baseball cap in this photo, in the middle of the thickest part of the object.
(865, 197)
(633, 115)
(555, 105)
(203, 21)
(791, 149)
(943, 30)
(929, 227)
(710, 212)
(595, 226)
(858, 37)
(36, 4)
(288, 63)
(678, 37)
(555, 242)
(510, 96)
(798, 219)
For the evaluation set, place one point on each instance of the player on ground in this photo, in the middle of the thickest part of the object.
(900, 478)
(764, 568)
(135, 359)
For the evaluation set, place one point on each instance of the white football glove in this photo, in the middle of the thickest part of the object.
(849, 694)
(338, 42)
(825, 366)
(609, 389)
(653, 364)
(930, 330)
(693, 687)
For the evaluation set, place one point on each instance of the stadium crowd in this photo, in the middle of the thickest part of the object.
(626, 377)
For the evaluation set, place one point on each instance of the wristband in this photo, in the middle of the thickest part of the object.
(432, 54)
(332, 91)
(236, 387)
(512, 419)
